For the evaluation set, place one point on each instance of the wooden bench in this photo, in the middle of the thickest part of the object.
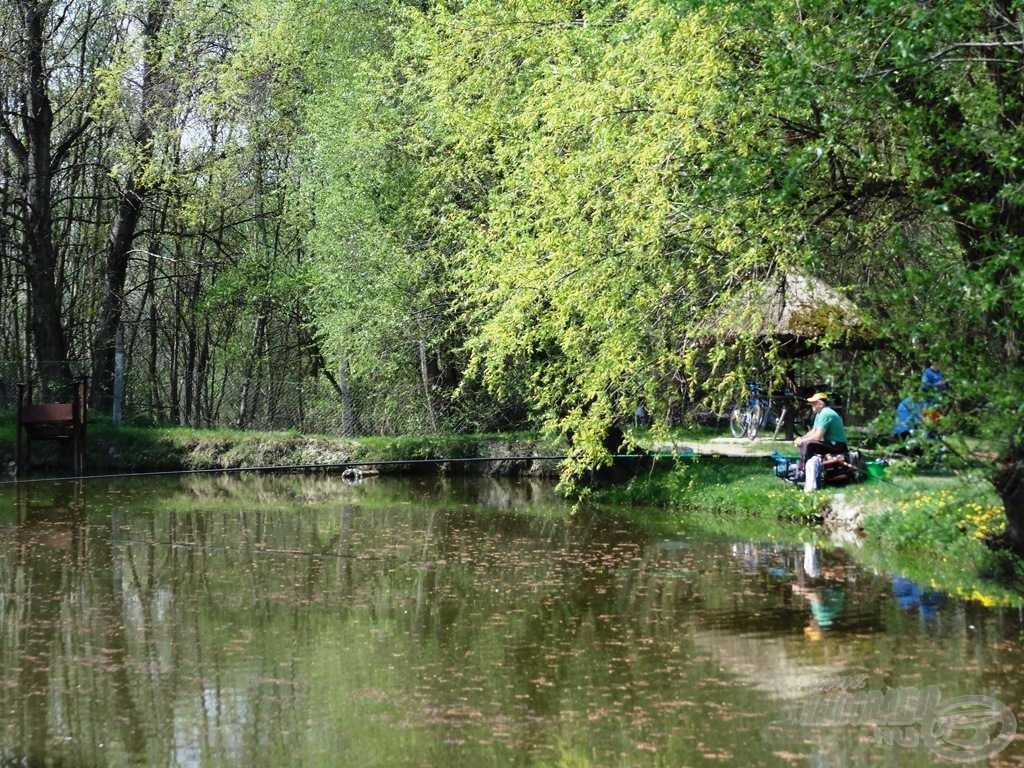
(51, 421)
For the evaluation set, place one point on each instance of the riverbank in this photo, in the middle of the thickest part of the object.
(928, 527)
(130, 449)
(942, 530)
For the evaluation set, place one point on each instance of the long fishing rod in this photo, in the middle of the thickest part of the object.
(330, 467)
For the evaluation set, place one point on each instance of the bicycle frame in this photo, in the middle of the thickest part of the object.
(747, 420)
(757, 411)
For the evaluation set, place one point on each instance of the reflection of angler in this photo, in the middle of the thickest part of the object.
(827, 604)
(826, 601)
(909, 596)
(812, 561)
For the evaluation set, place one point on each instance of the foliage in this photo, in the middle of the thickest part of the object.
(935, 530)
(941, 535)
(567, 200)
(718, 486)
(938, 519)
(471, 215)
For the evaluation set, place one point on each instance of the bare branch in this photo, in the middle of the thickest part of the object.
(943, 52)
(69, 141)
(17, 148)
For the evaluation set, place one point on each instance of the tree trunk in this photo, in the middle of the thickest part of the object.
(37, 163)
(1010, 485)
(118, 394)
(348, 408)
(122, 234)
(175, 345)
(1009, 482)
(192, 343)
(155, 405)
(200, 375)
(343, 386)
(257, 345)
(425, 374)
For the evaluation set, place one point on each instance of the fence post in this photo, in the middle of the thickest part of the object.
(118, 375)
(76, 427)
(83, 421)
(17, 431)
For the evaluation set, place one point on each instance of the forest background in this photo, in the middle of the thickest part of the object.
(379, 217)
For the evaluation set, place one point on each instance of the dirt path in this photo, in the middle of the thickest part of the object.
(762, 447)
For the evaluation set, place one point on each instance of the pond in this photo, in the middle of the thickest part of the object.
(268, 621)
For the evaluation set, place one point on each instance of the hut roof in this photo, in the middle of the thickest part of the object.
(791, 306)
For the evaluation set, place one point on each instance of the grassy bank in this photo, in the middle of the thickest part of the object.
(714, 485)
(147, 449)
(936, 530)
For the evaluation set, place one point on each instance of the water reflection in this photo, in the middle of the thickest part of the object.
(824, 589)
(267, 621)
(912, 598)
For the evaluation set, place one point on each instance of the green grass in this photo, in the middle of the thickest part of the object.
(727, 485)
(928, 526)
(451, 446)
(646, 436)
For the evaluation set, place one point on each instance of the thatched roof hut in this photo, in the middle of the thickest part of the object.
(794, 309)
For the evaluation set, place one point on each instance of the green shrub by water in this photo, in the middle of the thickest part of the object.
(722, 485)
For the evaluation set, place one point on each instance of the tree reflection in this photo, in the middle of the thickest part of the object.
(216, 622)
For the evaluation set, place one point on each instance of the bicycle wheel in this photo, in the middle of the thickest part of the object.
(754, 417)
(737, 422)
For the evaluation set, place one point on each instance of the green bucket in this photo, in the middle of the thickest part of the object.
(875, 470)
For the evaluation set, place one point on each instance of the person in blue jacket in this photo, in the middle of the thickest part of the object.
(932, 379)
(908, 417)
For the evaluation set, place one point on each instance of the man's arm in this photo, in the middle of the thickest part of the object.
(817, 434)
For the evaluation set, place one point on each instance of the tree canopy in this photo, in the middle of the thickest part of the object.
(579, 190)
(473, 214)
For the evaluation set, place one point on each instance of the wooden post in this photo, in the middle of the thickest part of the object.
(28, 437)
(83, 421)
(76, 420)
(17, 430)
(425, 375)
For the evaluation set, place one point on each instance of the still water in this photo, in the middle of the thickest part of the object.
(279, 621)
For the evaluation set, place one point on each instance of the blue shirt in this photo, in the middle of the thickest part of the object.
(932, 378)
(908, 416)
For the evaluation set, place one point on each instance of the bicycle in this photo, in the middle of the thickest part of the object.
(748, 419)
(757, 414)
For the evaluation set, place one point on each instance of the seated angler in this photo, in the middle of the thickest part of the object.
(826, 436)
(908, 417)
